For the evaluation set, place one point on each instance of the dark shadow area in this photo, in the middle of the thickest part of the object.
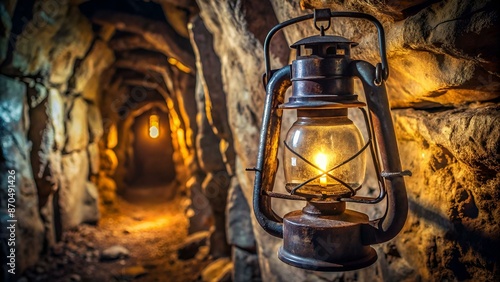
(150, 10)
(467, 238)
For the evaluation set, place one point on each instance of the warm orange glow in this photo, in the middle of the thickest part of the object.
(157, 223)
(154, 126)
(321, 160)
(179, 65)
(112, 137)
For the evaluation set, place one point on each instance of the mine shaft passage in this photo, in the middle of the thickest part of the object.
(151, 150)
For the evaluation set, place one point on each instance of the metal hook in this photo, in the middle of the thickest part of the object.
(322, 30)
(322, 15)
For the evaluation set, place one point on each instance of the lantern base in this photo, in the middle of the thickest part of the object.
(325, 242)
(320, 265)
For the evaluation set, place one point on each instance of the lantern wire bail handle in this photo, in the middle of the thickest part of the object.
(320, 15)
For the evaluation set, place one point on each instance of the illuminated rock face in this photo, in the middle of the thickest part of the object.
(441, 60)
(453, 220)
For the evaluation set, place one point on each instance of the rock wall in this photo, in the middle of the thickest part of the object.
(217, 107)
(444, 90)
(75, 75)
(16, 159)
(51, 124)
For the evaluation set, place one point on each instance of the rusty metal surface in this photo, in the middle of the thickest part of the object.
(326, 242)
(387, 227)
(314, 40)
(320, 207)
(321, 77)
(267, 160)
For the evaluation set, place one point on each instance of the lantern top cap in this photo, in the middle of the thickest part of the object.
(320, 40)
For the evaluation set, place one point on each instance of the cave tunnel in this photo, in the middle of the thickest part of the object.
(130, 133)
(151, 162)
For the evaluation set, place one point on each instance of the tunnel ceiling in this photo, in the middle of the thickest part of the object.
(150, 45)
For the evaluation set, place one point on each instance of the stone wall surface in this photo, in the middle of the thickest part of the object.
(16, 171)
(75, 167)
(433, 41)
(443, 75)
(453, 226)
(45, 158)
(49, 131)
(216, 156)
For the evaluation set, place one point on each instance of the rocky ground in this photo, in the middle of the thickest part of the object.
(138, 241)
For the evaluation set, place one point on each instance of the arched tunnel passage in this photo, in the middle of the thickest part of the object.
(148, 160)
(152, 150)
(145, 148)
(108, 102)
(78, 76)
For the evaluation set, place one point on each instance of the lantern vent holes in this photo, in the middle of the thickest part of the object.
(304, 51)
(331, 51)
(335, 51)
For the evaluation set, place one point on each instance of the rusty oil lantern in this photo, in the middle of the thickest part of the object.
(324, 158)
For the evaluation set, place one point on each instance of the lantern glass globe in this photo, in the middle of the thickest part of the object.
(325, 142)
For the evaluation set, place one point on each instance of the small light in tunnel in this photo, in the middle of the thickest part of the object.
(154, 126)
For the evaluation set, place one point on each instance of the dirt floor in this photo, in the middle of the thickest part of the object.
(148, 222)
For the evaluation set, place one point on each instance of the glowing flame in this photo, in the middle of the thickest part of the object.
(321, 161)
(154, 126)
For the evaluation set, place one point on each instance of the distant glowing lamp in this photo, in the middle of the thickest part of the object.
(324, 158)
(154, 126)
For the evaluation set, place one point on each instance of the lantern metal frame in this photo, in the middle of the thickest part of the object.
(381, 141)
